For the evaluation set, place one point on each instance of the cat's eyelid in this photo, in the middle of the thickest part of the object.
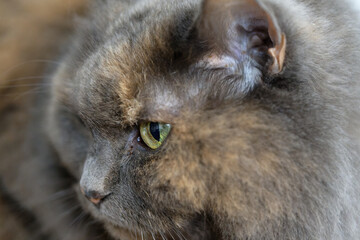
(153, 120)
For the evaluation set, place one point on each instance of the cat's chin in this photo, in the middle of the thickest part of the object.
(122, 233)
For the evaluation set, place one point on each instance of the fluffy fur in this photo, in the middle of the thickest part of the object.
(252, 155)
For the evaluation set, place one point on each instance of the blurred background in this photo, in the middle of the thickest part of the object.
(356, 4)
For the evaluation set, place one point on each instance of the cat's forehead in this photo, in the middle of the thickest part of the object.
(140, 92)
(137, 66)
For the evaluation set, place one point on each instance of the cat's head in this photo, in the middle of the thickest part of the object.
(177, 117)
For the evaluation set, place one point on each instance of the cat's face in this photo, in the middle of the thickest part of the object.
(233, 149)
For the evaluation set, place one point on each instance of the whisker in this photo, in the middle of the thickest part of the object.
(68, 212)
(25, 85)
(78, 218)
(61, 195)
(171, 235)
(91, 222)
(178, 233)
(152, 235)
(162, 236)
(3, 82)
(29, 62)
(37, 90)
(42, 88)
(181, 233)
(136, 234)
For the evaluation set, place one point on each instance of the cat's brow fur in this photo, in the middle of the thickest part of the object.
(276, 158)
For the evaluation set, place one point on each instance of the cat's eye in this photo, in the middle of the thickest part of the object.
(154, 134)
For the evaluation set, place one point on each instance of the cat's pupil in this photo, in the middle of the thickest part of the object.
(155, 130)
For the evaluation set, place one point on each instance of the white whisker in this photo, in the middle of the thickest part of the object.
(30, 62)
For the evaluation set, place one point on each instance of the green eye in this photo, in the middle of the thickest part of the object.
(154, 134)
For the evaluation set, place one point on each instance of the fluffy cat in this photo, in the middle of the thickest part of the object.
(164, 119)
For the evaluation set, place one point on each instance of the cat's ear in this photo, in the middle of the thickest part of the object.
(236, 30)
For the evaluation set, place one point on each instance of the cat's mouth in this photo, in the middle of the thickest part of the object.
(119, 227)
(91, 207)
(127, 229)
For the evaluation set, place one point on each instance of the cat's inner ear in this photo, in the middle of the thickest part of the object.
(239, 30)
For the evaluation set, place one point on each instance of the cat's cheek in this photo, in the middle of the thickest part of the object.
(69, 137)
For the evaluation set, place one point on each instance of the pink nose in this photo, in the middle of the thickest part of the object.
(93, 196)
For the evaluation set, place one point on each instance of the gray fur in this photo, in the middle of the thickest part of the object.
(251, 155)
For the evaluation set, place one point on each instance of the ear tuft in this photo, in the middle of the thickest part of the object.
(242, 30)
(277, 54)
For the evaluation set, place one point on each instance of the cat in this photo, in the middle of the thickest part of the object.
(164, 119)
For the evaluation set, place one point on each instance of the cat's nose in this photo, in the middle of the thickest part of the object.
(94, 196)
